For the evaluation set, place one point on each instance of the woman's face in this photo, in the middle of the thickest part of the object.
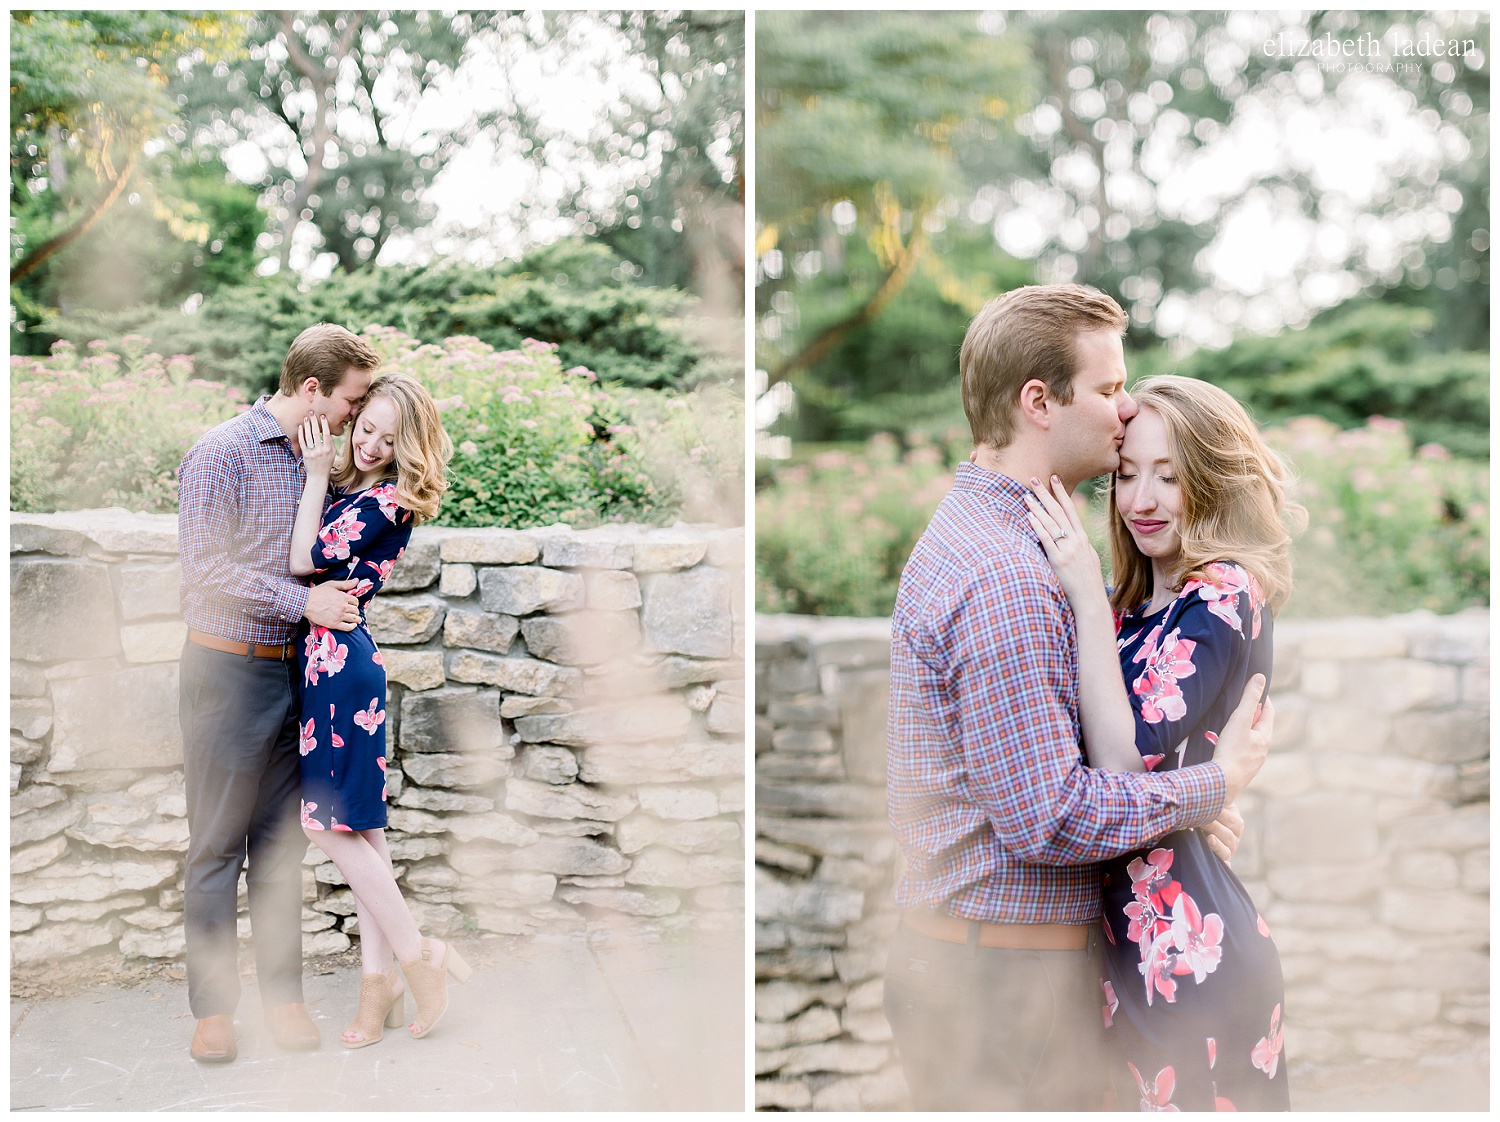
(1146, 490)
(374, 439)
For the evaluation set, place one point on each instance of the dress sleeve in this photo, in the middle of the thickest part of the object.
(1021, 742)
(1178, 673)
(367, 536)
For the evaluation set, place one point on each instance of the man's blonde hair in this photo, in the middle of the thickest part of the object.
(324, 351)
(1028, 333)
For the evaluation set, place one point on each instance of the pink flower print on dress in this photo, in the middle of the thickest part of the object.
(380, 760)
(305, 741)
(1111, 1002)
(385, 567)
(362, 589)
(1157, 1097)
(1161, 699)
(1267, 1054)
(336, 740)
(1197, 938)
(1223, 1104)
(385, 495)
(1260, 925)
(369, 719)
(308, 821)
(1222, 593)
(337, 534)
(1152, 761)
(1149, 877)
(324, 653)
(1145, 922)
(378, 659)
(1213, 1051)
(341, 828)
(1158, 967)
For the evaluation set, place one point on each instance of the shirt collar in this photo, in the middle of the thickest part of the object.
(1002, 490)
(264, 426)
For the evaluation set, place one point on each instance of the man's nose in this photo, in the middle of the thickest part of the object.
(1128, 407)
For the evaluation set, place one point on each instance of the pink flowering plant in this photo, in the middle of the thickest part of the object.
(1390, 527)
(533, 443)
(102, 428)
(832, 535)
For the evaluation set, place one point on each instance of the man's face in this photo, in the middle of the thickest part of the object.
(344, 402)
(1087, 434)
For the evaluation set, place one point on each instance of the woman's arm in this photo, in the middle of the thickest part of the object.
(317, 459)
(1103, 705)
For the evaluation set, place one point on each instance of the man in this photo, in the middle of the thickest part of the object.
(239, 489)
(992, 987)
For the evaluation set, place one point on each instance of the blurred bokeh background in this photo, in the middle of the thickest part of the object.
(206, 184)
(1308, 230)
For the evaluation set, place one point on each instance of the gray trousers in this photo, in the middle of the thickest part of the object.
(979, 1028)
(240, 761)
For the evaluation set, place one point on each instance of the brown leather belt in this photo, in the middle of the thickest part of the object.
(1003, 936)
(229, 646)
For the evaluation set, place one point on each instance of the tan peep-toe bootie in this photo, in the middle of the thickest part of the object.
(429, 984)
(379, 1009)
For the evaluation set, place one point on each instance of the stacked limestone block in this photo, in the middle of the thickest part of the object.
(1366, 848)
(1367, 844)
(565, 727)
(824, 866)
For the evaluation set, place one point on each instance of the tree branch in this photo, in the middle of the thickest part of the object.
(830, 336)
(29, 263)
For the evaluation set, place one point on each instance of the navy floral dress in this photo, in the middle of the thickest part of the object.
(343, 675)
(1192, 985)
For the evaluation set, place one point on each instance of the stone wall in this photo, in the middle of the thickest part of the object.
(565, 727)
(1367, 849)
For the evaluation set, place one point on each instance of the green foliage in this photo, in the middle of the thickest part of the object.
(900, 372)
(1390, 529)
(106, 429)
(832, 535)
(101, 217)
(1363, 359)
(570, 294)
(526, 435)
(692, 448)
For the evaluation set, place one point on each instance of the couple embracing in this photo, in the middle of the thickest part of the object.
(1064, 759)
(283, 691)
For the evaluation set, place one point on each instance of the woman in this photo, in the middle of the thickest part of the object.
(390, 477)
(1193, 988)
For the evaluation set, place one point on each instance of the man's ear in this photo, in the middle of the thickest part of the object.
(308, 390)
(1035, 403)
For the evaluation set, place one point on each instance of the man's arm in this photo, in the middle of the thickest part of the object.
(1011, 684)
(208, 517)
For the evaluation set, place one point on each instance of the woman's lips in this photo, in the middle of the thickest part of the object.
(1147, 526)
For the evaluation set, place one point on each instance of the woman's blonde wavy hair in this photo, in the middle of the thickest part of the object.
(1234, 495)
(423, 449)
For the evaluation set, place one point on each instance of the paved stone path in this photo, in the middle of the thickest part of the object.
(544, 1024)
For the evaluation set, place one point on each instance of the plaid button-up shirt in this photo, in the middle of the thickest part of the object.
(998, 817)
(239, 486)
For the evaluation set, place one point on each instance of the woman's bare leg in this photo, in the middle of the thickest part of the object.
(385, 922)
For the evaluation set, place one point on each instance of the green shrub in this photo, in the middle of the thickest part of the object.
(106, 429)
(569, 294)
(831, 536)
(533, 443)
(1390, 528)
(692, 448)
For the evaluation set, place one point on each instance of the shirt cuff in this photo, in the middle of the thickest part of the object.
(1199, 793)
(291, 601)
